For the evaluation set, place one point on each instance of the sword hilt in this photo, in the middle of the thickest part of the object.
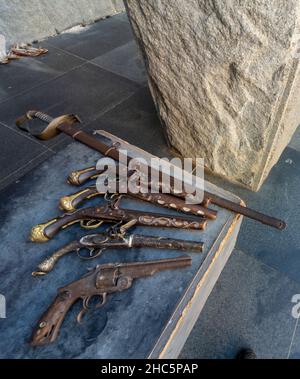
(54, 125)
(41, 115)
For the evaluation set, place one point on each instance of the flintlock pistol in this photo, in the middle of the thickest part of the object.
(93, 217)
(114, 238)
(71, 202)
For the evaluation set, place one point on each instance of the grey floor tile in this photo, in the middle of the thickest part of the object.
(16, 152)
(125, 61)
(294, 352)
(250, 306)
(87, 91)
(135, 120)
(95, 39)
(295, 142)
(27, 73)
(279, 197)
(24, 168)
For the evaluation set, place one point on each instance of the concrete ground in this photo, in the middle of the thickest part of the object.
(97, 74)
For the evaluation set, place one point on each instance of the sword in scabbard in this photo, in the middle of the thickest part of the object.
(65, 124)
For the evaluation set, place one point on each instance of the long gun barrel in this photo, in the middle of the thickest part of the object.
(209, 198)
(65, 124)
(100, 282)
(71, 202)
(96, 244)
(45, 232)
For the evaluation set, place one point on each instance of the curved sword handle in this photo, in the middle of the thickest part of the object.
(53, 124)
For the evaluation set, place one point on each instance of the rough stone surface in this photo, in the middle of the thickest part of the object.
(37, 19)
(223, 74)
(2, 47)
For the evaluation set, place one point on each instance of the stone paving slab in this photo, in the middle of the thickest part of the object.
(250, 307)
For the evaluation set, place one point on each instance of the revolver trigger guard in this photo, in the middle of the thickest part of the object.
(90, 224)
(86, 305)
(86, 301)
(103, 302)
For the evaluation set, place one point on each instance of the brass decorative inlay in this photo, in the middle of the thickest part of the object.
(66, 202)
(169, 222)
(91, 224)
(75, 176)
(70, 223)
(38, 232)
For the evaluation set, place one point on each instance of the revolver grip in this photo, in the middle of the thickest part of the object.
(50, 323)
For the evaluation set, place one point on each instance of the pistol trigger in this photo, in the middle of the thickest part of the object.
(80, 315)
(95, 253)
(85, 308)
(86, 302)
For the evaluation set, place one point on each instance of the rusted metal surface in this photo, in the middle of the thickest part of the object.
(101, 281)
(64, 124)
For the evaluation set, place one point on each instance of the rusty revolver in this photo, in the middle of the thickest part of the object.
(100, 282)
